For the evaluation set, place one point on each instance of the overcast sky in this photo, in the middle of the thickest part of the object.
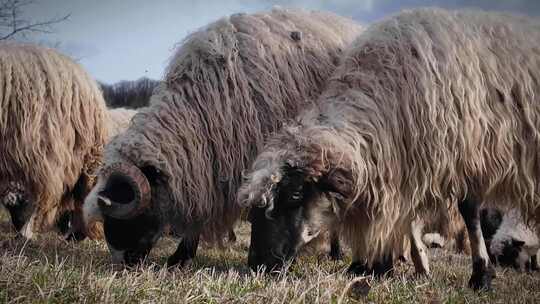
(127, 39)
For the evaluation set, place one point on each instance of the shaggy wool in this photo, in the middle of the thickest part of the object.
(427, 106)
(227, 86)
(51, 127)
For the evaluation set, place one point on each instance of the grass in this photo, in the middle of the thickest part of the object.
(50, 270)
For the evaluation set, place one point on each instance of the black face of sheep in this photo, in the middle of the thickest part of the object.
(16, 201)
(511, 254)
(20, 211)
(290, 220)
(122, 197)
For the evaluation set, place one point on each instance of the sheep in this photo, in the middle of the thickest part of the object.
(509, 241)
(179, 163)
(117, 121)
(68, 224)
(426, 106)
(52, 131)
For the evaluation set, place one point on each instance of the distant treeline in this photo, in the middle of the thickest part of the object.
(129, 94)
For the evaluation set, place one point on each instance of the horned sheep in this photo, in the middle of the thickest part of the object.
(509, 240)
(228, 85)
(427, 106)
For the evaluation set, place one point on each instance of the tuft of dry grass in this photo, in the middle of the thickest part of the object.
(50, 270)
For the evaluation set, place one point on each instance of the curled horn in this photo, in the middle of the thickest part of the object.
(126, 193)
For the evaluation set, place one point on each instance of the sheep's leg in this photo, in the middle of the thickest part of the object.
(482, 272)
(384, 266)
(534, 263)
(418, 248)
(335, 248)
(231, 238)
(77, 228)
(187, 249)
(358, 266)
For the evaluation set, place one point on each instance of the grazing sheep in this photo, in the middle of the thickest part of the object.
(427, 106)
(229, 84)
(509, 241)
(68, 223)
(52, 132)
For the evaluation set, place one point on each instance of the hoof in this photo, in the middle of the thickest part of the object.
(482, 276)
(178, 265)
(173, 262)
(378, 269)
(75, 236)
(384, 267)
(357, 269)
(335, 256)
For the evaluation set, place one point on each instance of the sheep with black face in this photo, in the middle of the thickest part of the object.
(509, 240)
(426, 107)
(229, 84)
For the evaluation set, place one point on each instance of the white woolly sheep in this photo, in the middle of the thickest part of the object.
(228, 85)
(52, 132)
(427, 106)
(509, 241)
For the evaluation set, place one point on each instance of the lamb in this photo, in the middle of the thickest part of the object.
(509, 241)
(179, 164)
(52, 129)
(427, 106)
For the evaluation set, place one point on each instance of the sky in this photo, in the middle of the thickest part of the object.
(128, 39)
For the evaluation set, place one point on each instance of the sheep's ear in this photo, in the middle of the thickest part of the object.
(337, 183)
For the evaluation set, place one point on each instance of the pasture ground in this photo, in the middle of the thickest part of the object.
(50, 270)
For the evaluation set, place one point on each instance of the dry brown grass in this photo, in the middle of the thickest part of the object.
(50, 270)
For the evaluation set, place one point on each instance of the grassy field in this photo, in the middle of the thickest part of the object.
(50, 270)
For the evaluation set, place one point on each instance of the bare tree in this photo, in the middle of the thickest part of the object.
(13, 23)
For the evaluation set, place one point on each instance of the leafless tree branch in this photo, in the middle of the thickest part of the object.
(12, 22)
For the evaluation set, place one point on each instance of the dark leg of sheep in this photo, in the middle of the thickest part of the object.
(385, 266)
(418, 249)
(483, 272)
(358, 266)
(232, 236)
(77, 228)
(357, 269)
(187, 249)
(335, 248)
